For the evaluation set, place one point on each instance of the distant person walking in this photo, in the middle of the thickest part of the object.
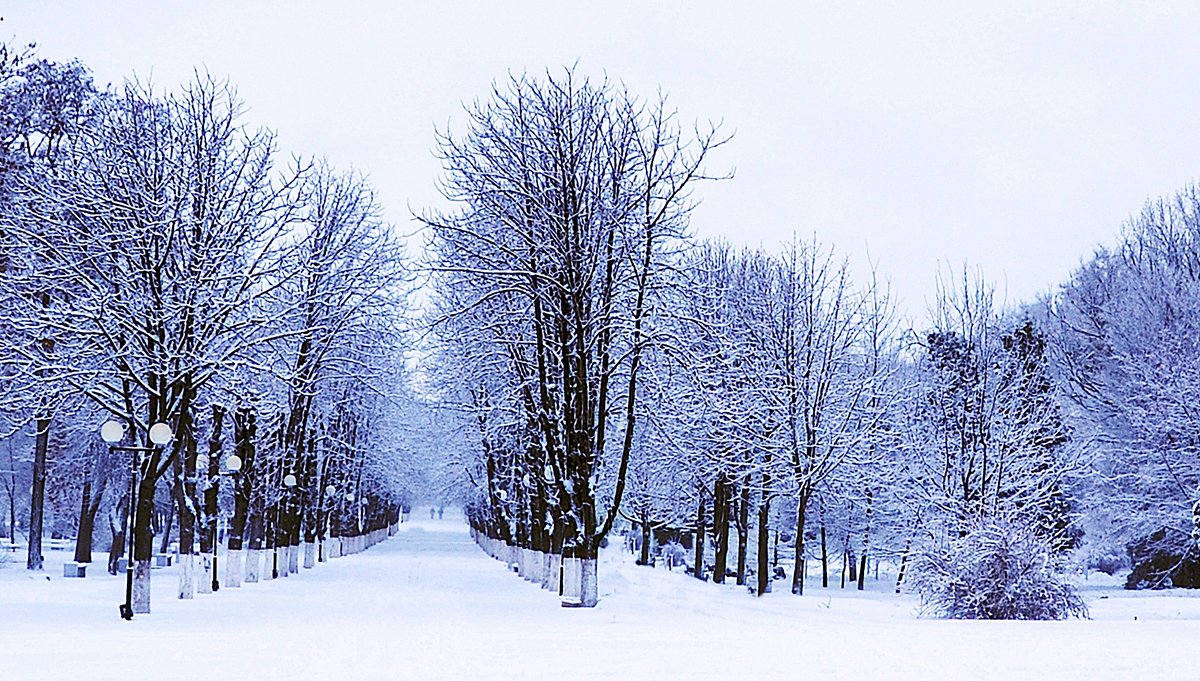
(432, 510)
(441, 510)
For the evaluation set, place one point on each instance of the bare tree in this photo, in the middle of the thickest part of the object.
(42, 104)
(165, 214)
(572, 195)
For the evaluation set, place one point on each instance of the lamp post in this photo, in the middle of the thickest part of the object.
(233, 465)
(113, 432)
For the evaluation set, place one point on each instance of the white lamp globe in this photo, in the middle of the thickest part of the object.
(160, 434)
(289, 480)
(349, 496)
(112, 431)
(201, 462)
(330, 491)
(233, 463)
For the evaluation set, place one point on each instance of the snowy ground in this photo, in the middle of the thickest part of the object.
(428, 604)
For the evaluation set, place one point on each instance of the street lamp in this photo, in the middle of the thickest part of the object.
(233, 465)
(324, 528)
(113, 432)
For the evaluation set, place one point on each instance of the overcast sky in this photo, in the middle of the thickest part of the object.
(1013, 136)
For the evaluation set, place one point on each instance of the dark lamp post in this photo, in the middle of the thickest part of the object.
(233, 465)
(113, 432)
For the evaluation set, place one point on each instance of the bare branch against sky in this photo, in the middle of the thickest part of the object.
(1014, 136)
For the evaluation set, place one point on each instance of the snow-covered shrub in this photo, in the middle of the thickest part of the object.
(1001, 570)
(674, 554)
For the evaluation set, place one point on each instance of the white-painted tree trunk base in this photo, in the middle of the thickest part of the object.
(310, 555)
(293, 559)
(550, 573)
(254, 566)
(205, 574)
(538, 564)
(187, 576)
(589, 586)
(284, 556)
(141, 587)
(233, 568)
(571, 582)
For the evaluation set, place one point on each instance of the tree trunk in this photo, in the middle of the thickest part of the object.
(798, 575)
(143, 537)
(743, 520)
(721, 493)
(141, 585)
(254, 562)
(118, 516)
(87, 517)
(589, 591)
(764, 542)
(852, 561)
(824, 559)
(187, 576)
(698, 570)
(183, 493)
(862, 568)
(244, 432)
(644, 559)
(38, 494)
(212, 510)
(903, 564)
(233, 568)
(845, 559)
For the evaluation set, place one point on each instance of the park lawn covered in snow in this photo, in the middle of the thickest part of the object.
(428, 604)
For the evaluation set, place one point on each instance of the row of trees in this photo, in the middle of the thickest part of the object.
(604, 366)
(574, 197)
(161, 264)
(595, 366)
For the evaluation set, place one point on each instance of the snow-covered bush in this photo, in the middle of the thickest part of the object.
(674, 554)
(999, 570)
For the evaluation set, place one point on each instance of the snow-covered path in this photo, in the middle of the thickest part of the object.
(428, 604)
